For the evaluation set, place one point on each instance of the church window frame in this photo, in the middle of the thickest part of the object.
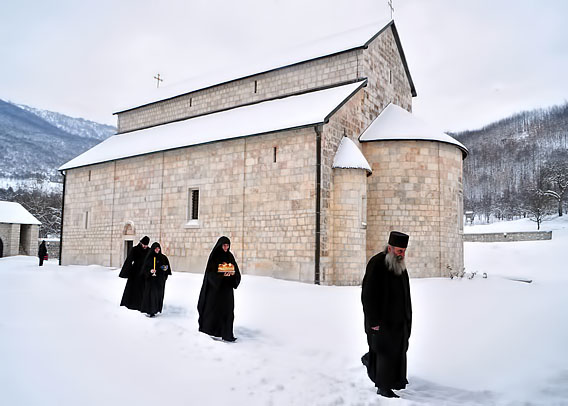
(363, 211)
(193, 202)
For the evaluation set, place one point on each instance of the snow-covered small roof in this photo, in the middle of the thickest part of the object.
(395, 123)
(359, 37)
(275, 115)
(14, 213)
(350, 157)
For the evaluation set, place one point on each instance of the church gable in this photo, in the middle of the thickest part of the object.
(343, 66)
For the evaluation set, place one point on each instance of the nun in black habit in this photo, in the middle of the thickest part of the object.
(155, 272)
(216, 300)
(134, 289)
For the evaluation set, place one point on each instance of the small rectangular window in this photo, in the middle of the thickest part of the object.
(86, 219)
(390, 76)
(89, 175)
(190, 101)
(275, 150)
(255, 86)
(363, 211)
(193, 205)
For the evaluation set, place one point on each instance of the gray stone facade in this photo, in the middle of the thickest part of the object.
(261, 191)
(19, 239)
(508, 237)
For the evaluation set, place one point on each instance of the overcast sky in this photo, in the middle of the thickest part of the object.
(472, 62)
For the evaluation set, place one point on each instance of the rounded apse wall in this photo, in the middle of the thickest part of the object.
(416, 188)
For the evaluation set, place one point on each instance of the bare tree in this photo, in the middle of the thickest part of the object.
(537, 205)
(555, 176)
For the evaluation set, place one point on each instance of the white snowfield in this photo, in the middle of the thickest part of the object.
(66, 341)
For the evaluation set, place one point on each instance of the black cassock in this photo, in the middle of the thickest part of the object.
(386, 303)
(132, 296)
(154, 286)
(216, 300)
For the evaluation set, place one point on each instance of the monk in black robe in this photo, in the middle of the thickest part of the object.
(216, 300)
(42, 253)
(132, 296)
(388, 316)
(155, 272)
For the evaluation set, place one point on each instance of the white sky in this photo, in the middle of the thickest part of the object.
(472, 61)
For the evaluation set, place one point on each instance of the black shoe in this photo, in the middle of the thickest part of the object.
(387, 393)
(230, 339)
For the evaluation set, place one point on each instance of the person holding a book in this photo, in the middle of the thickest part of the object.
(216, 300)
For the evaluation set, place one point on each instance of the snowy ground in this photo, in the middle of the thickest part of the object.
(65, 341)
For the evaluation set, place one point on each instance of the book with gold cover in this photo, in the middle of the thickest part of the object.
(225, 267)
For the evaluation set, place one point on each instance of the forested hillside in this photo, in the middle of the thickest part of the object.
(517, 163)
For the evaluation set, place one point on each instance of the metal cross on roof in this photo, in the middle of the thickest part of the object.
(391, 7)
(158, 80)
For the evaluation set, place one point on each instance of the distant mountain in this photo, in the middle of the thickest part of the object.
(36, 142)
(507, 157)
(78, 126)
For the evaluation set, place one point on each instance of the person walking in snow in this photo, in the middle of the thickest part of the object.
(132, 296)
(216, 300)
(155, 272)
(388, 316)
(42, 252)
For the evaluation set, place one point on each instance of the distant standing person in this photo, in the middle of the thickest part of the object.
(388, 316)
(216, 300)
(132, 296)
(155, 272)
(42, 253)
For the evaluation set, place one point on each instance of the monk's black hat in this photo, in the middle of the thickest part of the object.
(398, 239)
(145, 240)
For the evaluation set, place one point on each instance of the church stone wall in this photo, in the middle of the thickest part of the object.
(416, 188)
(10, 235)
(266, 208)
(289, 80)
(88, 215)
(387, 80)
(348, 228)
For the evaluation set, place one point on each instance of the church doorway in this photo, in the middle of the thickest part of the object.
(128, 244)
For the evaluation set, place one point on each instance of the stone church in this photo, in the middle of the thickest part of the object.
(306, 165)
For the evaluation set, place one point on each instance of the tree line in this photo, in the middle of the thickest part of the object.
(518, 166)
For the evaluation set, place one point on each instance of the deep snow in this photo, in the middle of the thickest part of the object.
(494, 341)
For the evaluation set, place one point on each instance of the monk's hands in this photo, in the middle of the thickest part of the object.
(376, 328)
(227, 274)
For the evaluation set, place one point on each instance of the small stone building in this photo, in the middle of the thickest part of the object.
(19, 230)
(306, 164)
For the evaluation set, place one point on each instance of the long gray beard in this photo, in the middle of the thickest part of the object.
(394, 264)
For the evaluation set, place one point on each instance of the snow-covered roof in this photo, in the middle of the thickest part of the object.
(275, 115)
(14, 213)
(350, 157)
(395, 123)
(340, 42)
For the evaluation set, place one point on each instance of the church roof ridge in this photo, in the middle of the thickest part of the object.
(396, 123)
(359, 37)
(293, 112)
